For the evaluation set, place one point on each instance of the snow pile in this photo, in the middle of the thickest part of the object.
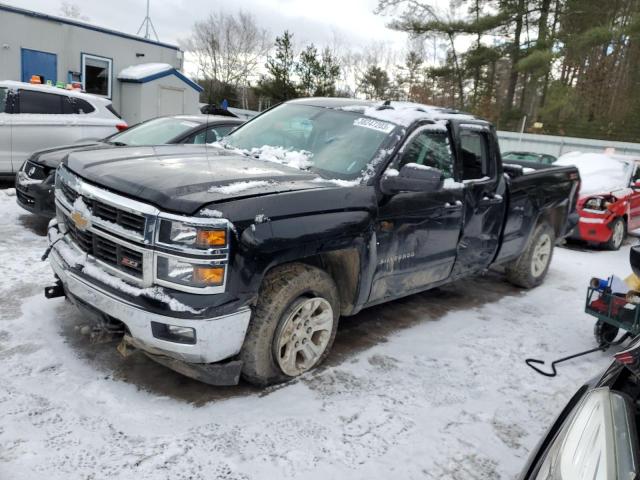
(261, 218)
(451, 184)
(392, 172)
(238, 187)
(207, 212)
(143, 70)
(599, 173)
(299, 159)
(405, 113)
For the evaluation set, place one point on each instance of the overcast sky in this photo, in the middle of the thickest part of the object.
(352, 21)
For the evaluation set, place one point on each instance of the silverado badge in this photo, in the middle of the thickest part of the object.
(81, 222)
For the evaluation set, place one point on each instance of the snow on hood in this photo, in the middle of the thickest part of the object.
(299, 159)
(599, 173)
(143, 70)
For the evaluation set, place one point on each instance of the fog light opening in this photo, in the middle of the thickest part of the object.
(174, 333)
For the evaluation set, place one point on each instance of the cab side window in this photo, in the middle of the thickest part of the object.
(430, 149)
(475, 155)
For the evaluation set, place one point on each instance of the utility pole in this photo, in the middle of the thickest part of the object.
(146, 24)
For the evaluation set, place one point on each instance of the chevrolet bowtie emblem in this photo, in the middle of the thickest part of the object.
(79, 220)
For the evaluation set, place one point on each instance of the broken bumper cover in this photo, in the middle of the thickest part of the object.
(216, 339)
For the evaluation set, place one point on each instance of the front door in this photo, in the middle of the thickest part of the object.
(484, 190)
(416, 232)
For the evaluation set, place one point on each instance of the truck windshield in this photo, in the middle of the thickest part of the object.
(338, 143)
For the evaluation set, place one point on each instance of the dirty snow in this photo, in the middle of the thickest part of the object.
(433, 386)
(143, 70)
(599, 173)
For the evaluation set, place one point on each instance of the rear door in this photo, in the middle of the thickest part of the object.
(5, 132)
(484, 192)
(416, 232)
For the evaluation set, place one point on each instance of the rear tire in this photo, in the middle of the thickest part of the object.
(618, 234)
(531, 267)
(293, 324)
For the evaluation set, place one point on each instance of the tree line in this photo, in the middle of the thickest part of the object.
(566, 67)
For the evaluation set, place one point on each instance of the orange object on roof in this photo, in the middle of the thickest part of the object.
(35, 79)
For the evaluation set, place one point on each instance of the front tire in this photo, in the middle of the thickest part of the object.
(618, 233)
(531, 267)
(293, 324)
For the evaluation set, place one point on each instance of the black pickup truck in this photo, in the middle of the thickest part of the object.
(241, 259)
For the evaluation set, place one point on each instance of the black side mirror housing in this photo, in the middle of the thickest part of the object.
(411, 178)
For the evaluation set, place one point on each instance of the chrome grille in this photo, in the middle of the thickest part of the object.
(107, 251)
(120, 234)
(107, 212)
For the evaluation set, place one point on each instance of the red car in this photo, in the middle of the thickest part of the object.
(609, 204)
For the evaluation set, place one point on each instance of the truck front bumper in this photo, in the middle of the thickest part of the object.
(216, 339)
(594, 229)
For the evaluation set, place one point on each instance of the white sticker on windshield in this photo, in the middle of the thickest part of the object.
(378, 125)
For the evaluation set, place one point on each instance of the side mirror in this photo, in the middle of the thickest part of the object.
(411, 178)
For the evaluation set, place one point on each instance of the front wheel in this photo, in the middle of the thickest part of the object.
(618, 232)
(530, 268)
(293, 325)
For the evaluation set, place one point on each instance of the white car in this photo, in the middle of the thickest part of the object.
(34, 117)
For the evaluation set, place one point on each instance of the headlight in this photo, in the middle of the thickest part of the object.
(192, 236)
(596, 203)
(190, 274)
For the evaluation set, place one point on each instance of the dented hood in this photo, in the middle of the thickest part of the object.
(182, 179)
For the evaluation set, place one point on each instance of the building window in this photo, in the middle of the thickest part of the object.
(97, 75)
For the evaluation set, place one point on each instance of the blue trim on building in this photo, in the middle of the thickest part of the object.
(67, 21)
(165, 73)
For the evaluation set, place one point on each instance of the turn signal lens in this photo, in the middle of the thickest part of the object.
(209, 275)
(211, 238)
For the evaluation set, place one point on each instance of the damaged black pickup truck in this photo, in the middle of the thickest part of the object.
(240, 260)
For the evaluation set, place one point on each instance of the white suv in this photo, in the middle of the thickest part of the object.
(33, 117)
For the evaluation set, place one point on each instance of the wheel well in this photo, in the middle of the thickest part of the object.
(344, 268)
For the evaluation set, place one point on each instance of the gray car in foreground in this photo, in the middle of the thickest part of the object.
(596, 434)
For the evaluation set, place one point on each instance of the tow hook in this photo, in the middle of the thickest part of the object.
(54, 291)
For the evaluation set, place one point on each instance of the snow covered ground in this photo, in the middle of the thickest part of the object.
(433, 386)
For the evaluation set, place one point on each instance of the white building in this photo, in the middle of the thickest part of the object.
(65, 50)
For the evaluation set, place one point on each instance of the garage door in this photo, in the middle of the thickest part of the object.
(171, 101)
(35, 62)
